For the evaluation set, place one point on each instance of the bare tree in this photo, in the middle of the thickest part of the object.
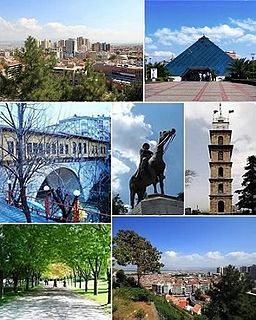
(23, 121)
(189, 175)
(28, 131)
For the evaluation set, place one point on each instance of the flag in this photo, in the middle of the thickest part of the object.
(215, 111)
(230, 111)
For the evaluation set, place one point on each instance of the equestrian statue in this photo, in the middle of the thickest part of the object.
(151, 168)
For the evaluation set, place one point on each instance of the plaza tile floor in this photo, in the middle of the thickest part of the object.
(199, 91)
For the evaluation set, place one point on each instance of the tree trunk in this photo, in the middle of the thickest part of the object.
(15, 282)
(21, 160)
(85, 284)
(109, 285)
(1, 284)
(32, 281)
(75, 280)
(23, 198)
(80, 281)
(95, 284)
(27, 283)
(138, 276)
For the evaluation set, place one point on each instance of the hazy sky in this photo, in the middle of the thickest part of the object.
(172, 26)
(112, 20)
(196, 241)
(198, 122)
(134, 124)
(56, 111)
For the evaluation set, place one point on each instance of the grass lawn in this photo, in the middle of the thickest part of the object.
(101, 297)
(10, 296)
(126, 309)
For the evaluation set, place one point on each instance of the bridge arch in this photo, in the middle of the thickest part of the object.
(62, 177)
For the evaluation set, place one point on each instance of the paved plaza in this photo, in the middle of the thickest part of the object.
(52, 303)
(199, 91)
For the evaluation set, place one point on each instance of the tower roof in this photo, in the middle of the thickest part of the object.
(220, 122)
(202, 54)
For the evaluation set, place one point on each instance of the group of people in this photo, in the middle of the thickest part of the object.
(55, 283)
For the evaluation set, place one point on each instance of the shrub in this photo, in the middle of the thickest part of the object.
(140, 314)
(139, 294)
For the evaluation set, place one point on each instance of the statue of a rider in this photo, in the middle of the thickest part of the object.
(145, 155)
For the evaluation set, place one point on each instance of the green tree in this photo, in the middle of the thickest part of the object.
(229, 299)
(247, 195)
(33, 79)
(239, 68)
(131, 248)
(118, 205)
(133, 92)
(90, 85)
(162, 71)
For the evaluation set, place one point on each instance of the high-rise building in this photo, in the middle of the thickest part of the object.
(220, 151)
(71, 47)
(46, 44)
(61, 44)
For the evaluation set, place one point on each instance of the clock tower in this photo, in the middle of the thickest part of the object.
(220, 151)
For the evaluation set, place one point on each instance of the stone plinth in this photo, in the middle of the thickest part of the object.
(156, 204)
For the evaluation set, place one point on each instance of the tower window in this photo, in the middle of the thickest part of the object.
(220, 140)
(220, 188)
(220, 155)
(220, 171)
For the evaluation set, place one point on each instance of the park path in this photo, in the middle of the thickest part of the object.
(52, 303)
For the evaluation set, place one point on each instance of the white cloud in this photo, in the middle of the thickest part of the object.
(248, 39)
(176, 260)
(148, 40)
(23, 27)
(163, 54)
(129, 132)
(215, 255)
(172, 254)
(187, 35)
(246, 24)
(118, 168)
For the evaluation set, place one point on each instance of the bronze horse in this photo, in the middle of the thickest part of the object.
(154, 173)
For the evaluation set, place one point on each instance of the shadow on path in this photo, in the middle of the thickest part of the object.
(52, 303)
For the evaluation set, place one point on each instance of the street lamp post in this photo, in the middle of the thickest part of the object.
(253, 54)
(76, 194)
(46, 201)
(9, 198)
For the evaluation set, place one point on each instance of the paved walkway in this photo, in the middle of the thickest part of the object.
(49, 303)
(199, 91)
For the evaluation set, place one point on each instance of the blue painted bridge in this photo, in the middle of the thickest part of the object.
(11, 214)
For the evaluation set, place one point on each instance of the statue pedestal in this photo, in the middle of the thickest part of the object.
(156, 204)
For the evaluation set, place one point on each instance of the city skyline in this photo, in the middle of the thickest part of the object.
(113, 21)
(172, 26)
(196, 242)
(134, 124)
(198, 118)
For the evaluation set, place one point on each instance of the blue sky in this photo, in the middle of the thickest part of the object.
(196, 241)
(116, 20)
(134, 124)
(172, 26)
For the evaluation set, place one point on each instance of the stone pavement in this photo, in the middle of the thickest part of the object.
(199, 91)
(52, 303)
